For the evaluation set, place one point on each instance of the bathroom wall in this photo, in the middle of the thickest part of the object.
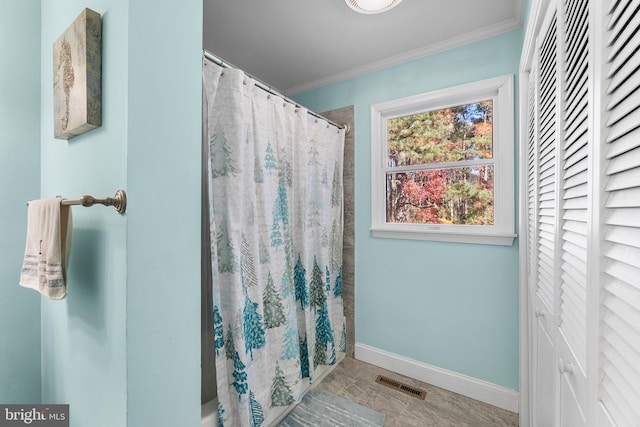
(163, 263)
(84, 336)
(344, 116)
(123, 348)
(126, 340)
(452, 306)
(19, 182)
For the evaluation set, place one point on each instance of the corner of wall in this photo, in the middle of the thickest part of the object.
(20, 176)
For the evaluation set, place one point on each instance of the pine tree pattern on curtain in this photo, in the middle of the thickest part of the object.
(275, 191)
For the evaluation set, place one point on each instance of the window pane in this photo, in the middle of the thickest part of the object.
(452, 134)
(441, 196)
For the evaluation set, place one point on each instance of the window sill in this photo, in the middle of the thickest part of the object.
(453, 237)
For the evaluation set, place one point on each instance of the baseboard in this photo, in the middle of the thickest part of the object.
(483, 391)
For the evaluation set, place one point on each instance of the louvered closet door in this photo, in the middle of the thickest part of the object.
(543, 359)
(543, 125)
(558, 211)
(547, 166)
(575, 201)
(619, 389)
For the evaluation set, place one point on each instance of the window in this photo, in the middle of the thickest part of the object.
(442, 165)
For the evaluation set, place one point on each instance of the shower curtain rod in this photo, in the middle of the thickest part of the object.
(262, 85)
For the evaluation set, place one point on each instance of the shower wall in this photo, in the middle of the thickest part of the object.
(208, 374)
(345, 116)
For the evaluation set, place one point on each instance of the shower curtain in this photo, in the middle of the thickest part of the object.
(275, 208)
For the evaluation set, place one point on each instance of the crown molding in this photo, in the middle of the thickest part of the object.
(461, 40)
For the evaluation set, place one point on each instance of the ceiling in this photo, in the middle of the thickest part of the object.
(297, 45)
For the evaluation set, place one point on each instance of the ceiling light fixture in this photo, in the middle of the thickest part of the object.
(370, 7)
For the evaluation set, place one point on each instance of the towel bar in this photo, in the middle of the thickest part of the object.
(119, 201)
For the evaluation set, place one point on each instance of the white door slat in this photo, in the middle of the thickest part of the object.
(580, 153)
(575, 275)
(575, 239)
(627, 236)
(619, 319)
(617, 368)
(577, 169)
(577, 70)
(618, 355)
(623, 126)
(579, 191)
(623, 31)
(624, 292)
(573, 204)
(624, 199)
(574, 177)
(618, 352)
(578, 124)
(626, 71)
(624, 90)
(626, 217)
(578, 214)
(623, 180)
(629, 160)
(623, 108)
(615, 11)
(622, 271)
(615, 406)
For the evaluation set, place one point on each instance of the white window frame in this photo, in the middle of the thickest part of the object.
(500, 91)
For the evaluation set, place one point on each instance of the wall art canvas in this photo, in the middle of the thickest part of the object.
(77, 77)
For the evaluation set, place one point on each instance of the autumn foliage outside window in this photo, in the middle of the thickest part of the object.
(440, 166)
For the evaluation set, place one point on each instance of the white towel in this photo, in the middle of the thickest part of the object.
(49, 229)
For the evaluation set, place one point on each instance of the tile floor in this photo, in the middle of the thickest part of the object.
(355, 380)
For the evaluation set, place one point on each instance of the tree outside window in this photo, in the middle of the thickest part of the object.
(442, 165)
(433, 195)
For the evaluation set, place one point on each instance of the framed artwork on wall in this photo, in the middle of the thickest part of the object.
(77, 77)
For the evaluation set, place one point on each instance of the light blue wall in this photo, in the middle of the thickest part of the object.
(124, 347)
(84, 336)
(526, 14)
(454, 306)
(19, 182)
(163, 290)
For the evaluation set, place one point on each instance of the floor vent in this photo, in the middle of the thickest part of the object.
(405, 388)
